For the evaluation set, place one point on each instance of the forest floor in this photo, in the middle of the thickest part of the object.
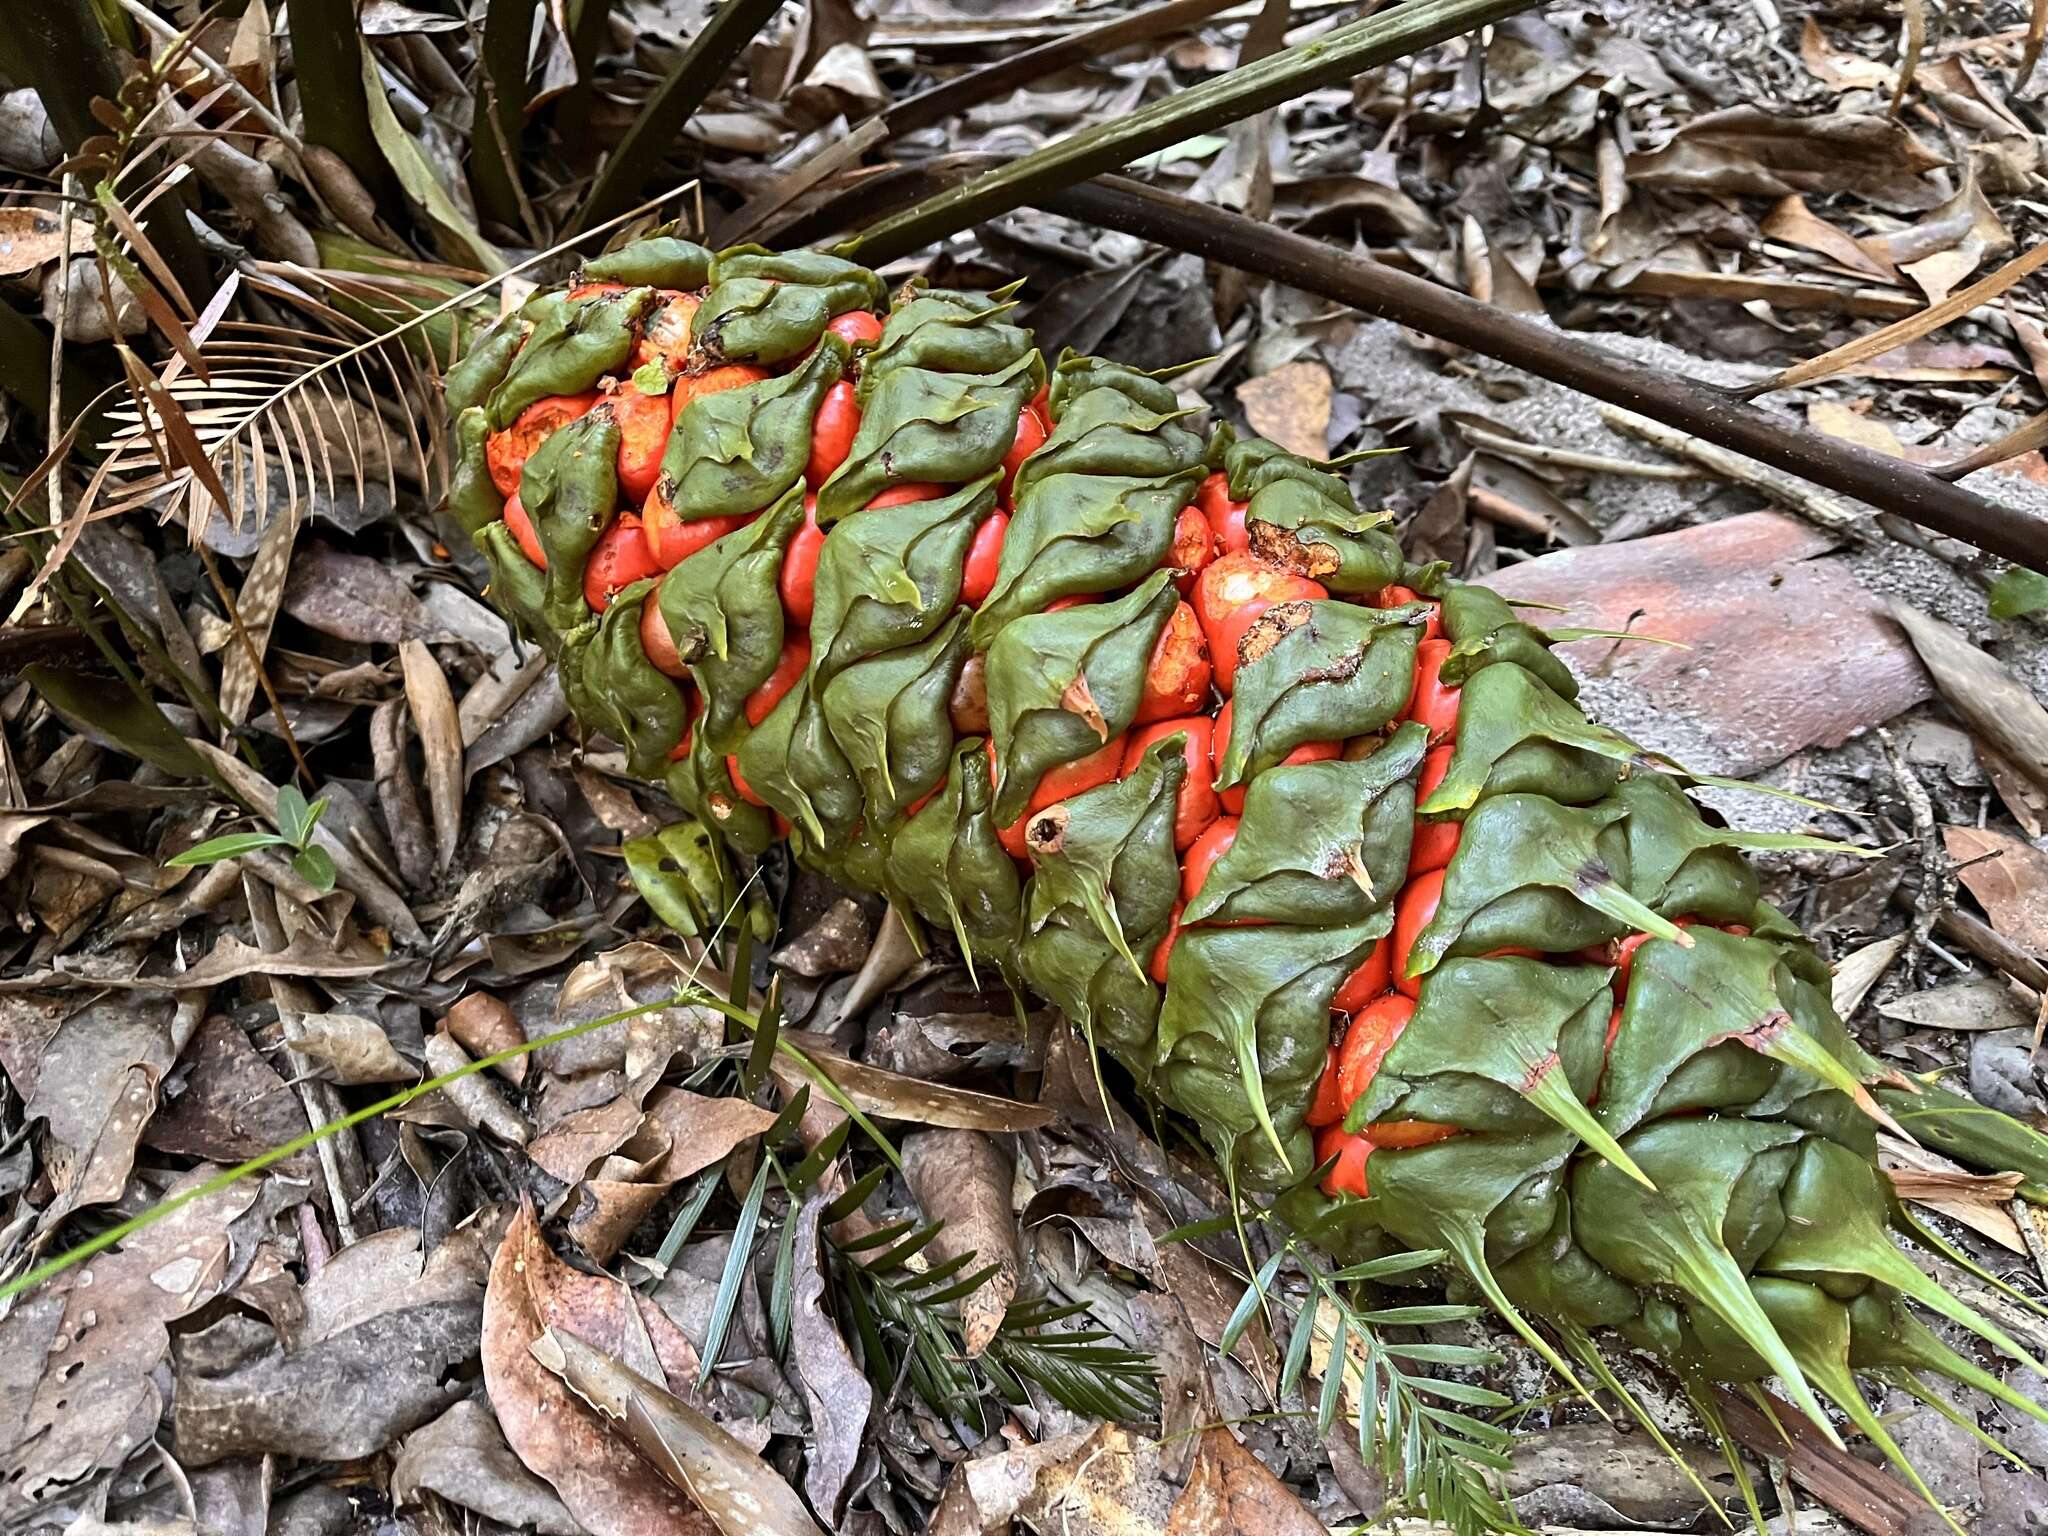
(1720, 189)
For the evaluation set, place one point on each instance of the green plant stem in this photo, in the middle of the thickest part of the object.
(494, 129)
(326, 44)
(663, 115)
(60, 48)
(1328, 61)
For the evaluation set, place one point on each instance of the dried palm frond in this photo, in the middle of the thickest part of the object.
(337, 399)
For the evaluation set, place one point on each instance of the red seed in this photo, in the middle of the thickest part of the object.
(984, 559)
(506, 452)
(1368, 981)
(1225, 514)
(1203, 853)
(1348, 1176)
(832, 433)
(1177, 677)
(1195, 807)
(523, 533)
(1193, 547)
(789, 667)
(620, 558)
(1413, 909)
(1327, 1107)
(1433, 702)
(857, 328)
(798, 582)
(656, 641)
(1435, 841)
(1031, 435)
(643, 437)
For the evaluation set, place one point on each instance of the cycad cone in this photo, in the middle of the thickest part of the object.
(1591, 1063)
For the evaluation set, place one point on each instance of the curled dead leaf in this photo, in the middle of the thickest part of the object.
(731, 1486)
(559, 1437)
(962, 1179)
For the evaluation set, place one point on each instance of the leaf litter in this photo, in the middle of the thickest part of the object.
(534, 1297)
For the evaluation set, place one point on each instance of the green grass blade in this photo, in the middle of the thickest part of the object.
(726, 1303)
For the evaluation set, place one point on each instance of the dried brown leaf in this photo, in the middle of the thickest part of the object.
(2009, 878)
(463, 1457)
(378, 1343)
(97, 1398)
(1912, 328)
(560, 1438)
(31, 236)
(837, 1392)
(736, 1493)
(1791, 221)
(484, 1025)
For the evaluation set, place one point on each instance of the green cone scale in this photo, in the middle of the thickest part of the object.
(1429, 958)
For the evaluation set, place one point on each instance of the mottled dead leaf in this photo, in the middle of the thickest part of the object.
(962, 1179)
(1291, 405)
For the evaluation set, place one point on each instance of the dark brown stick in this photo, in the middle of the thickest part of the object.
(1868, 1497)
(1219, 235)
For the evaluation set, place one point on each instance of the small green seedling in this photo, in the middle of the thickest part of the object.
(295, 822)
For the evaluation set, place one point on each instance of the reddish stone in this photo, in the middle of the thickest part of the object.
(1787, 649)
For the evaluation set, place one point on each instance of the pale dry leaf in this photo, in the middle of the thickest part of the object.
(257, 603)
(1852, 426)
(893, 1096)
(1858, 971)
(1976, 1005)
(303, 956)
(474, 1096)
(352, 1048)
(1291, 406)
(463, 1457)
(891, 957)
(434, 716)
(1994, 703)
(1839, 70)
